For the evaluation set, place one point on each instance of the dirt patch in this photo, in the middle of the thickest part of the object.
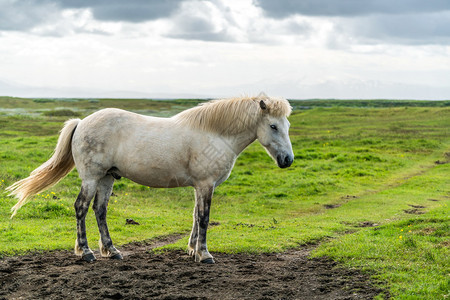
(416, 206)
(367, 224)
(443, 162)
(131, 222)
(249, 225)
(331, 206)
(414, 211)
(144, 274)
(428, 230)
(361, 224)
(445, 244)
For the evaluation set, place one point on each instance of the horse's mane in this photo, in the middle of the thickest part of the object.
(232, 116)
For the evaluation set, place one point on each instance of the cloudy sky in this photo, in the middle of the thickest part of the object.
(218, 48)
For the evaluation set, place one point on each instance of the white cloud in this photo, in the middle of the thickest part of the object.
(223, 48)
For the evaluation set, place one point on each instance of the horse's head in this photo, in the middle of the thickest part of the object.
(273, 134)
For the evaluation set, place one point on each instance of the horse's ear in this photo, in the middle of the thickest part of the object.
(262, 95)
(262, 104)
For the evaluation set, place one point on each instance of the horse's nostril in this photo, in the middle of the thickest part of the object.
(288, 161)
(284, 162)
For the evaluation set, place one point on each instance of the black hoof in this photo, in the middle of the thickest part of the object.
(89, 257)
(208, 261)
(117, 256)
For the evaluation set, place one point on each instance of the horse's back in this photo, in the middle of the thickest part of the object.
(139, 147)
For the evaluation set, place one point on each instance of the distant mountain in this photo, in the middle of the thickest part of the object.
(7, 89)
(337, 89)
(16, 90)
(291, 88)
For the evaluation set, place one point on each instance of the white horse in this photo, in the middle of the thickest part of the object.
(197, 147)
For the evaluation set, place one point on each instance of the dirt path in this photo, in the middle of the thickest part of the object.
(173, 275)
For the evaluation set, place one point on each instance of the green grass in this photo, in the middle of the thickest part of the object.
(412, 255)
(371, 164)
(380, 103)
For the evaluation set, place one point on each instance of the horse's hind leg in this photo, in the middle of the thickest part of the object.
(88, 189)
(100, 205)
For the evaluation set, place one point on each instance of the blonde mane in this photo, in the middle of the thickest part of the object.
(232, 116)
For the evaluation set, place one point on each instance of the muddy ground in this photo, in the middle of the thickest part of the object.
(173, 275)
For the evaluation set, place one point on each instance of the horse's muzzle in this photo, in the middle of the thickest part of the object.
(284, 161)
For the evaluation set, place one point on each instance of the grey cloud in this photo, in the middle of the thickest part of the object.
(220, 36)
(299, 28)
(432, 28)
(373, 21)
(130, 11)
(195, 22)
(24, 15)
(348, 8)
(30, 14)
(360, 21)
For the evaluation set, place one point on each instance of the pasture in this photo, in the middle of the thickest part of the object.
(369, 188)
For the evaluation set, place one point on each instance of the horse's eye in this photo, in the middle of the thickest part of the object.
(274, 127)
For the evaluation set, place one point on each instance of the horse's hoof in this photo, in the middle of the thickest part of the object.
(117, 256)
(89, 257)
(208, 261)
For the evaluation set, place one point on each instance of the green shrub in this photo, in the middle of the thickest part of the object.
(61, 113)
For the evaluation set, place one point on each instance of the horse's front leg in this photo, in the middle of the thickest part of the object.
(197, 241)
(194, 233)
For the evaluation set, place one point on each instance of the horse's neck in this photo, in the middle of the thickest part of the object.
(241, 141)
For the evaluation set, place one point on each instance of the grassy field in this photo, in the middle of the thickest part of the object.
(371, 185)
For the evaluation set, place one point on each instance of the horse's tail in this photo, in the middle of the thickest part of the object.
(50, 172)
